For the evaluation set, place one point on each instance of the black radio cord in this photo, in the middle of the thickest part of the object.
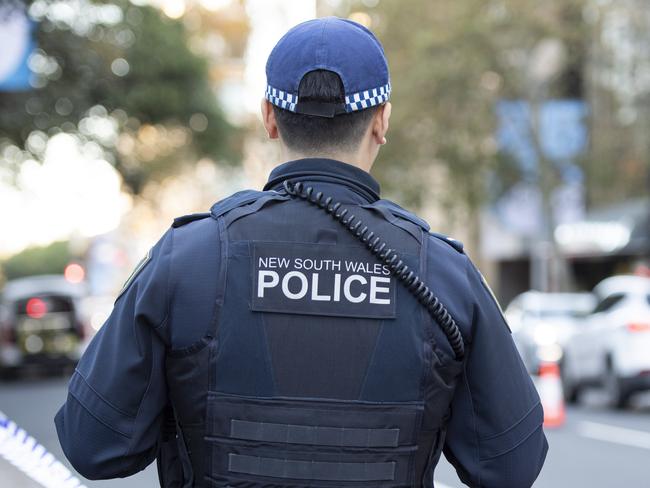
(389, 257)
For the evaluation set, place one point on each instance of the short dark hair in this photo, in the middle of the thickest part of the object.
(312, 134)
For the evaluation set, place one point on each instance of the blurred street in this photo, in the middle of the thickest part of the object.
(596, 448)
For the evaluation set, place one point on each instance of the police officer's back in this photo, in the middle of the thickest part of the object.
(311, 334)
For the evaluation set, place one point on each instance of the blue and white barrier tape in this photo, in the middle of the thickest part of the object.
(22, 450)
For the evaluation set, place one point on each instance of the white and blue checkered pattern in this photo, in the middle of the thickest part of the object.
(281, 98)
(357, 101)
(367, 98)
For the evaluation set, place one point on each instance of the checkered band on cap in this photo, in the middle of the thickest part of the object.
(357, 101)
(281, 98)
(367, 98)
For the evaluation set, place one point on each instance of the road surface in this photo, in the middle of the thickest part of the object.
(596, 448)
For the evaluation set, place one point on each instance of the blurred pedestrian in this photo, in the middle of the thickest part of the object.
(310, 334)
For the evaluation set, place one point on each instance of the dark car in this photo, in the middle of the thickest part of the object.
(40, 323)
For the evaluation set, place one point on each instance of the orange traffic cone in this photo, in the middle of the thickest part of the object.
(549, 387)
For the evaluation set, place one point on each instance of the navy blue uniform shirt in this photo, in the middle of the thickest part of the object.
(110, 424)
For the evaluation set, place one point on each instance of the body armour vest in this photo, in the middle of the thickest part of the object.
(319, 368)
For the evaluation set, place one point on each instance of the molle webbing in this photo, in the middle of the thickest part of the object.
(311, 470)
(313, 435)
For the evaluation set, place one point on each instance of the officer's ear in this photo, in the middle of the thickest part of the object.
(268, 118)
(380, 123)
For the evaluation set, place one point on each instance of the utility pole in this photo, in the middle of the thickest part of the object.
(546, 62)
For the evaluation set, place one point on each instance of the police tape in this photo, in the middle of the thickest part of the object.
(22, 450)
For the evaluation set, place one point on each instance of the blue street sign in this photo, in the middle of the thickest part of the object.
(16, 46)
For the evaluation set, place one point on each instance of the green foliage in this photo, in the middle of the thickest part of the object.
(450, 63)
(140, 70)
(50, 259)
(167, 82)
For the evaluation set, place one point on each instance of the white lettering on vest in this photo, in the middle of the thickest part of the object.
(337, 287)
(262, 282)
(314, 290)
(346, 288)
(374, 289)
(304, 285)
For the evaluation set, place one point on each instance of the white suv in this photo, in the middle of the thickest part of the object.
(612, 347)
(542, 323)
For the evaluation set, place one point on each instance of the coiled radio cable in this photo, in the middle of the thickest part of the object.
(389, 257)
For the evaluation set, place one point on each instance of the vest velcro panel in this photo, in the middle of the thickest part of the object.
(296, 442)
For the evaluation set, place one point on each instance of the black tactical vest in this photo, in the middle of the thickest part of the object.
(319, 368)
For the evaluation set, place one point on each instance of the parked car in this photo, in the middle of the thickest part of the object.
(40, 323)
(541, 324)
(612, 348)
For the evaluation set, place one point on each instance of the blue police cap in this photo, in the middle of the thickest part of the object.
(339, 45)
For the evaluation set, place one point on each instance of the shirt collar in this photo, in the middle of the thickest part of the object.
(322, 169)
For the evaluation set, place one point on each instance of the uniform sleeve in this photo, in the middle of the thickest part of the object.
(110, 423)
(494, 437)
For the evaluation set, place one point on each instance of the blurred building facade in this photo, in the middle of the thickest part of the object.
(600, 220)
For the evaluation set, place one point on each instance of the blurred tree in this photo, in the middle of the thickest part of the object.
(121, 76)
(51, 259)
(619, 95)
(450, 63)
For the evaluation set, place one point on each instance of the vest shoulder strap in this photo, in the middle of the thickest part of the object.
(243, 198)
(232, 202)
(386, 206)
(399, 217)
(400, 212)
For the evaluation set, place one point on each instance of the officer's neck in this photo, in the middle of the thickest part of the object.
(360, 158)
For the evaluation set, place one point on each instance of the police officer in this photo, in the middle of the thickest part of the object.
(310, 334)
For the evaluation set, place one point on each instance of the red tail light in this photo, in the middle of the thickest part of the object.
(36, 308)
(638, 327)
